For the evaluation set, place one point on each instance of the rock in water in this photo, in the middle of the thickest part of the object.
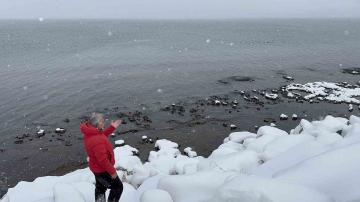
(233, 127)
(294, 117)
(289, 78)
(60, 130)
(271, 96)
(40, 133)
(283, 117)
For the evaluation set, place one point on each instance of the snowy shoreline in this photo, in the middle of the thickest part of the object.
(316, 162)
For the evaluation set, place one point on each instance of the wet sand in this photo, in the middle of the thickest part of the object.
(199, 122)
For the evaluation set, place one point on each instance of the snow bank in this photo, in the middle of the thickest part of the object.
(316, 162)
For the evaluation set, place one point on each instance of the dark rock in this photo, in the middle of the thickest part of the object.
(339, 132)
(18, 141)
(289, 78)
(66, 120)
(269, 120)
(227, 80)
(128, 131)
(136, 153)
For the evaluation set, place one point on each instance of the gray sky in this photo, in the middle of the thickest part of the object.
(177, 8)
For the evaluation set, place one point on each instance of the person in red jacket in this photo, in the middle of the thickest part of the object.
(101, 156)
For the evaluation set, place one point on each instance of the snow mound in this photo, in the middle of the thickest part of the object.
(317, 161)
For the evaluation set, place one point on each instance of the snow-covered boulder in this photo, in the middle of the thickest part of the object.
(239, 137)
(156, 195)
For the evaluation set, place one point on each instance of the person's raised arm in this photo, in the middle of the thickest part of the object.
(112, 127)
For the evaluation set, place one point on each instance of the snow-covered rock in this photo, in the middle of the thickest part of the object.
(239, 137)
(156, 195)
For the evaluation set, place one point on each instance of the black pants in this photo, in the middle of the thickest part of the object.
(104, 182)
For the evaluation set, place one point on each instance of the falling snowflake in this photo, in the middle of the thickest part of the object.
(208, 40)
(159, 90)
(45, 97)
(346, 32)
(110, 33)
(25, 87)
(41, 19)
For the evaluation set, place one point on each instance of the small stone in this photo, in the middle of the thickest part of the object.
(289, 78)
(225, 124)
(269, 120)
(18, 141)
(351, 107)
(136, 153)
(60, 130)
(119, 143)
(294, 117)
(66, 120)
(40, 133)
(233, 127)
(271, 96)
(283, 117)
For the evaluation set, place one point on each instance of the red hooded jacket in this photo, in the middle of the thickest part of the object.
(98, 148)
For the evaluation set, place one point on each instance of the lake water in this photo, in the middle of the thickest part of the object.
(57, 69)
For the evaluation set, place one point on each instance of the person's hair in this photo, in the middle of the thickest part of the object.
(95, 118)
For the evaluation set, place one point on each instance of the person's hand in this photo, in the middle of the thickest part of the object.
(114, 176)
(116, 123)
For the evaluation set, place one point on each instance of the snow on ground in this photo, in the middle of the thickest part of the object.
(316, 162)
(334, 92)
